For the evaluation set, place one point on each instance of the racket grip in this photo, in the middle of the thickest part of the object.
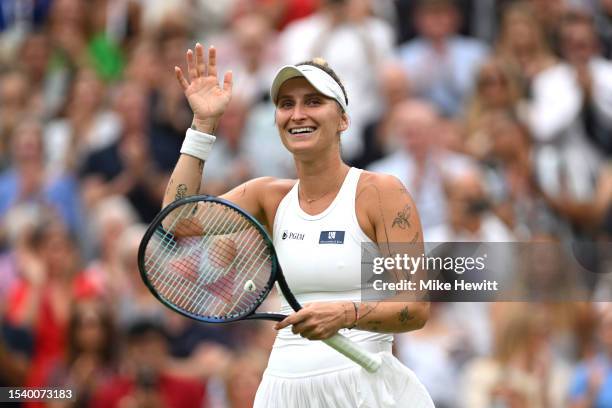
(370, 361)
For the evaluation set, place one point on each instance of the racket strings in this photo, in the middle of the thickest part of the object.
(204, 257)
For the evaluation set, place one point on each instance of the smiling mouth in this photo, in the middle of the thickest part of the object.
(302, 130)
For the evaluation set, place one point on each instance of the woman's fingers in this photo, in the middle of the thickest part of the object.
(212, 61)
(191, 66)
(181, 78)
(228, 82)
(200, 60)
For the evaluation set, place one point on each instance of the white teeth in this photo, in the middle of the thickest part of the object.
(302, 130)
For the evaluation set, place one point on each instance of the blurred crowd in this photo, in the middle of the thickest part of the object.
(495, 114)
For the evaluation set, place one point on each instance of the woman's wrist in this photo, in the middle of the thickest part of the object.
(351, 314)
(208, 125)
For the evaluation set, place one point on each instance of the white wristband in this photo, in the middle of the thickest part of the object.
(197, 144)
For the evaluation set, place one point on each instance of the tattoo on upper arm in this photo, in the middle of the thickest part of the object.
(181, 191)
(402, 218)
(404, 316)
(415, 239)
(382, 217)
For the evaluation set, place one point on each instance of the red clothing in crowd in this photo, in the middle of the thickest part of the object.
(174, 392)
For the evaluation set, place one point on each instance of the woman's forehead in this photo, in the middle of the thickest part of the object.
(298, 86)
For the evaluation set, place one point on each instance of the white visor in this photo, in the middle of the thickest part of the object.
(319, 79)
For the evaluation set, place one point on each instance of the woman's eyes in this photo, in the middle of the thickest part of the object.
(309, 102)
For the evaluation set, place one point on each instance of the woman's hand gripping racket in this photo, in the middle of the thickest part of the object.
(209, 260)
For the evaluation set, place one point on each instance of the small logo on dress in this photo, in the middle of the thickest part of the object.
(293, 235)
(331, 237)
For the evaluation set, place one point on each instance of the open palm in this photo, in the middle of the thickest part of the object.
(207, 99)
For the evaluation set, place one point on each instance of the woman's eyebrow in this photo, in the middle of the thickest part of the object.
(310, 95)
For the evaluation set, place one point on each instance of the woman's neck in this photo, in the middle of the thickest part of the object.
(320, 177)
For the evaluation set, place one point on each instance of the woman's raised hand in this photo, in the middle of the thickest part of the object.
(207, 99)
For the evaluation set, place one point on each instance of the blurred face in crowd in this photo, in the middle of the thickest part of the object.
(521, 33)
(148, 351)
(131, 105)
(27, 146)
(252, 33)
(301, 106)
(394, 84)
(35, 55)
(509, 140)
(494, 86)
(414, 124)
(90, 326)
(88, 91)
(231, 124)
(465, 194)
(578, 42)
(57, 250)
(13, 91)
(437, 21)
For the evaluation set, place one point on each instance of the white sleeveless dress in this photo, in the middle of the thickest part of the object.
(321, 259)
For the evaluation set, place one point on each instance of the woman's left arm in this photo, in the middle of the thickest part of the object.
(394, 220)
(397, 229)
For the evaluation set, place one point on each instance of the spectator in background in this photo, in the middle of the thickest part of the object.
(440, 63)
(419, 162)
(129, 166)
(84, 127)
(345, 33)
(14, 102)
(436, 354)
(144, 380)
(228, 166)
(91, 354)
(496, 94)
(41, 300)
(134, 302)
(570, 115)
(592, 383)
(47, 84)
(521, 372)
(109, 219)
(253, 56)
(508, 173)
(469, 216)
(27, 180)
(169, 113)
(394, 87)
(548, 14)
(523, 46)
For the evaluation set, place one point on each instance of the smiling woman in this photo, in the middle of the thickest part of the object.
(318, 223)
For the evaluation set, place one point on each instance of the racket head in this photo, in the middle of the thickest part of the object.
(208, 259)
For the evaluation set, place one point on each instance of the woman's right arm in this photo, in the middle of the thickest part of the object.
(208, 101)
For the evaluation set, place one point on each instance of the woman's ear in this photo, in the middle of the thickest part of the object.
(344, 122)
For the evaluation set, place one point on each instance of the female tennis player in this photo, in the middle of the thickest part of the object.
(318, 223)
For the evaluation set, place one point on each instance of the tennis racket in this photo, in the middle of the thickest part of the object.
(209, 260)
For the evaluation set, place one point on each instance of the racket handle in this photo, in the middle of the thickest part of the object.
(370, 361)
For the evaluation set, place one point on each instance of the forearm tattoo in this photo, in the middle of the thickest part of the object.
(181, 191)
(402, 219)
(404, 317)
